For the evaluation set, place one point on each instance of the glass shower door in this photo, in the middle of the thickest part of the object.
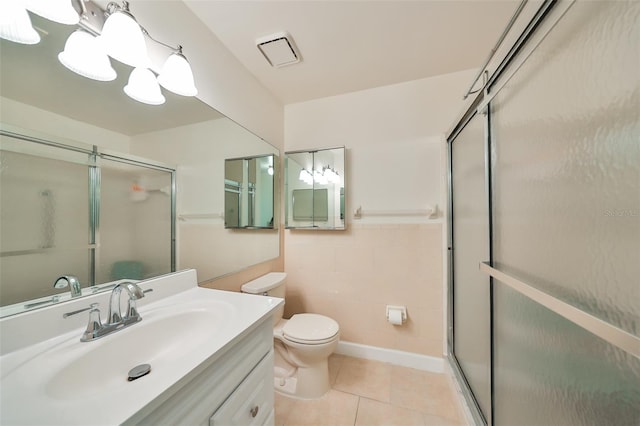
(134, 232)
(470, 245)
(44, 212)
(566, 210)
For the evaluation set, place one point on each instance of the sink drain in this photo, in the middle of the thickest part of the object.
(139, 371)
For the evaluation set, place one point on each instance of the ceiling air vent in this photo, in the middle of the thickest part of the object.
(279, 49)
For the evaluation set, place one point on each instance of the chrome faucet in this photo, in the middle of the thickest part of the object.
(115, 314)
(115, 319)
(69, 281)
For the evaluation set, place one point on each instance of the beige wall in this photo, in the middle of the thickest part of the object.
(379, 260)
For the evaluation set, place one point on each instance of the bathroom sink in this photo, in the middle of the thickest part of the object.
(158, 340)
(74, 370)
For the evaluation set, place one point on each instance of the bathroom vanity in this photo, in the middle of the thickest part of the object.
(210, 352)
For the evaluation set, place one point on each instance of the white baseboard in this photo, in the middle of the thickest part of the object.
(401, 358)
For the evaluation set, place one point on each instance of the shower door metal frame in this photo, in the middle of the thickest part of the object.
(470, 398)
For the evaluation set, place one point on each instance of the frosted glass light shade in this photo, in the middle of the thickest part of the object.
(124, 41)
(143, 87)
(176, 76)
(85, 55)
(15, 24)
(60, 11)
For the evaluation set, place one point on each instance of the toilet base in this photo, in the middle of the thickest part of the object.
(305, 383)
(310, 382)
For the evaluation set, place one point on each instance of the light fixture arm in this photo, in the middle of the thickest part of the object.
(175, 49)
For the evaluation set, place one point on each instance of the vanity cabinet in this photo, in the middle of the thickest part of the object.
(251, 404)
(236, 388)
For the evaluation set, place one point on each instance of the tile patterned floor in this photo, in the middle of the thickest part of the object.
(371, 393)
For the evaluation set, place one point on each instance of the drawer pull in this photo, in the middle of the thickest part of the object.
(254, 411)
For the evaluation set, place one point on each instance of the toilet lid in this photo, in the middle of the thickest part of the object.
(310, 328)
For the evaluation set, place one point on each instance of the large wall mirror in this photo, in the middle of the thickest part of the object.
(315, 189)
(41, 99)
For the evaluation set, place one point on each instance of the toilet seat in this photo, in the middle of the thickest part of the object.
(310, 329)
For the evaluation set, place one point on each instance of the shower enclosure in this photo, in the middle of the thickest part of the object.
(69, 209)
(544, 173)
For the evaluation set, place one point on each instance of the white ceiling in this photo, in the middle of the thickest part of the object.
(357, 44)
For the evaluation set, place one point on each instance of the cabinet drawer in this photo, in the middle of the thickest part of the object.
(252, 402)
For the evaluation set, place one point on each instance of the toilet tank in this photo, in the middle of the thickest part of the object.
(272, 284)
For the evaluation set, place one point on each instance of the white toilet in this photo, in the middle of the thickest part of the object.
(302, 344)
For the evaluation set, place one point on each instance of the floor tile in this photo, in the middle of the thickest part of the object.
(370, 379)
(370, 393)
(376, 413)
(333, 409)
(430, 420)
(283, 406)
(429, 393)
(335, 362)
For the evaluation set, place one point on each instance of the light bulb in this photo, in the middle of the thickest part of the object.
(176, 75)
(143, 87)
(15, 24)
(85, 55)
(123, 40)
(60, 11)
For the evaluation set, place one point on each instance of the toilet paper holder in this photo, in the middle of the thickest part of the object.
(392, 314)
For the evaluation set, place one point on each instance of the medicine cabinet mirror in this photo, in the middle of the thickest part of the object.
(315, 189)
(248, 192)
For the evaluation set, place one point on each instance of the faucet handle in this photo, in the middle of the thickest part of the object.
(94, 325)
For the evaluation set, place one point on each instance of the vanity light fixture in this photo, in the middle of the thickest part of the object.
(118, 35)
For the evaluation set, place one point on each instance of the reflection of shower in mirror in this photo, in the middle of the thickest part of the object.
(140, 193)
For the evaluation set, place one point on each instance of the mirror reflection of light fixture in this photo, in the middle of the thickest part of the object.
(306, 176)
(331, 175)
(324, 177)
(60, 11)
(85, 55)
(270, 170)
(123, 38)
(143, 87)
(15, 23)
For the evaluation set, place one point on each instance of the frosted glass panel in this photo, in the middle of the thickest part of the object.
(470, 246)
(44, 222)
(548, 371)
(567, 170)
(135, 222)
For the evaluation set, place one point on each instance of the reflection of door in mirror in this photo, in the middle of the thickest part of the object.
(249, 192)
(233, 171)
(75, 211)
(135, 222)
